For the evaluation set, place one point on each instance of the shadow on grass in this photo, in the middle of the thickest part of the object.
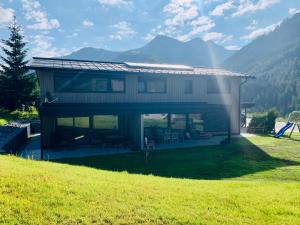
(239, 158)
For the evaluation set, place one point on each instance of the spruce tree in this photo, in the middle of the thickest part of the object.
(16, 85)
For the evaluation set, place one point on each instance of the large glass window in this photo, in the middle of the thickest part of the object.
(152, 86)
(117, 85)
(82, 84)
(65, 122)
(81, 122)
(62, 84)
(218, 86)
(100, 85)
(87, 83)
(196, 122)
(156, 120)
(105, 122)
(156, 86)
(178, 121)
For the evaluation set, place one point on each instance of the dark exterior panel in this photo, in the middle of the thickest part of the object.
(69, 109)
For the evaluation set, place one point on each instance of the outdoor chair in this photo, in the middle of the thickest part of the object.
(167, 139)
(174, 138)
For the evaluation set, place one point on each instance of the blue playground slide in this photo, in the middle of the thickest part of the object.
(283, 130)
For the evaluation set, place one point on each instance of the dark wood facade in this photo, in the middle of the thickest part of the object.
(126, 94)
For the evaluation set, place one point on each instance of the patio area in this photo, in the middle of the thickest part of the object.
(32, 148)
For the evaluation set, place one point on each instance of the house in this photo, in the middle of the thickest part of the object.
(91, 102)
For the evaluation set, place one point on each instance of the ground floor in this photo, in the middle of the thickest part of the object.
(136, 126)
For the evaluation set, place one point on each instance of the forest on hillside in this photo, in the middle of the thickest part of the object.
(274, 60)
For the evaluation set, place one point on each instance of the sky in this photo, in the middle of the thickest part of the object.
(58, 27)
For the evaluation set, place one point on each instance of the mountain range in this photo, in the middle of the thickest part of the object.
(162, 49)
(274, 59)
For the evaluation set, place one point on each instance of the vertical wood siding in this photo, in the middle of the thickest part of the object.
(175, 93)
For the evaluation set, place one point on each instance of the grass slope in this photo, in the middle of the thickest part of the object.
(53, 193)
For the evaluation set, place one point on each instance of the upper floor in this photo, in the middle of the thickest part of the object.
(73, 81)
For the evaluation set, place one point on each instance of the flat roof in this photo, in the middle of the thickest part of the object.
(38, 63)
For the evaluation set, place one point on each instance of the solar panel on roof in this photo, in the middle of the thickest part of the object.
(158, 66)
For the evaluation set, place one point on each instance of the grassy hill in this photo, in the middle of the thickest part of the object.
(254, 181)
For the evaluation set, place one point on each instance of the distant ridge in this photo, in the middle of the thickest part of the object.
(162, 49)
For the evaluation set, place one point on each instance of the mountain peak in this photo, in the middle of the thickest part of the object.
(162, 39)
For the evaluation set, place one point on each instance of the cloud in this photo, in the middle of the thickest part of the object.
(43, 47)
(212, 36)
(181, 11)
(261, 31)
(226, 39)
(293, 11)
(246, 6)
(6, 16)
(149, 37)
(74, 34)
(155, 31)
(123, 30)
(32, 10)
(88, 23)
(199, 26)
(117, 3)
(184, 21)
(233, 47)
(211, 1)
(220, 9)
(252, 26)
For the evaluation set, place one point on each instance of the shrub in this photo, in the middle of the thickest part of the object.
(265, 120)
(7, 116)
(271, 120)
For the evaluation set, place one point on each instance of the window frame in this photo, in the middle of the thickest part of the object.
(146, 80)
(90, 76)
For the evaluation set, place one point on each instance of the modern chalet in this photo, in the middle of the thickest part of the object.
(113, 104)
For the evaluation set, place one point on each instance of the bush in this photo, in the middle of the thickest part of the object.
(7, 116)
(271, 120)
(265, 120)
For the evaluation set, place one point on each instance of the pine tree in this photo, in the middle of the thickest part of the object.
(16, 85)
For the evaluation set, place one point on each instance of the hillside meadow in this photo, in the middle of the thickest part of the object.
(251, 181)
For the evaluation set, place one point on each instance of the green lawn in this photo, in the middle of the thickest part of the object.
(251, 181)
